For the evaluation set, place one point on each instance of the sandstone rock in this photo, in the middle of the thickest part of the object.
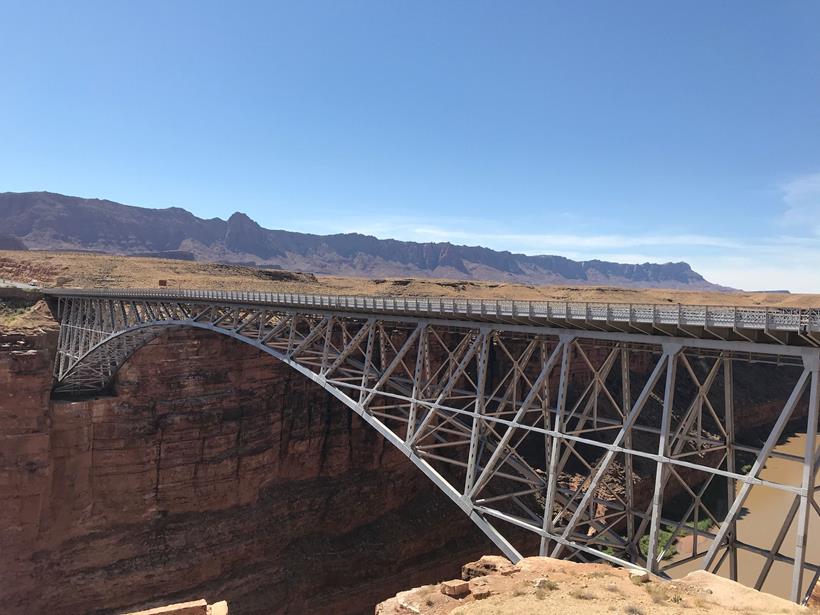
(488, 564)
(592, 589)
(455, 588)
(194, 607)
(218, 608)
(480, 588)
(638, 576)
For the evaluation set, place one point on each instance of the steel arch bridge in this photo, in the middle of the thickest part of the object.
(565, 429)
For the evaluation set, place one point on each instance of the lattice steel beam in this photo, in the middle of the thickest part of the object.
(523, 414)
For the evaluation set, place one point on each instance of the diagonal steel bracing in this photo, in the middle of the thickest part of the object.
(524, 415)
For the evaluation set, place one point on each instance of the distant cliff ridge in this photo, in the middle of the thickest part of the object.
(44, 220)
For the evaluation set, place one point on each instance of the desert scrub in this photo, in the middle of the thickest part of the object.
(689, 527)
(546, 584)
(658, 593)
(582, 594)
(544, 587)
(665, 535)
(9, 312)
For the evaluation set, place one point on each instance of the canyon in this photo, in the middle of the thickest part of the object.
(213, 472)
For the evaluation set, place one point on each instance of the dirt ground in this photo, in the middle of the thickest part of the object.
(544, 586)
(86, 270)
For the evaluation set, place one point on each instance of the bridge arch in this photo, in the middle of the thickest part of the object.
(136, 337)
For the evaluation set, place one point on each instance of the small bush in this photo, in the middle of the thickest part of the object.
(664, 535)
(689, 527)
(657, 592)
(543, 587)
(547, 584)
(581, 594)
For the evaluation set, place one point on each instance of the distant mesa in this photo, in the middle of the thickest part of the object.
(10, 242)
(177, 255)
(251, 264)
(49, 221)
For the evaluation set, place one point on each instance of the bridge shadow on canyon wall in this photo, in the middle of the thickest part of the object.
(215, 471)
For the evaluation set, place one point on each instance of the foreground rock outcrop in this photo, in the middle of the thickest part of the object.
(543, 586)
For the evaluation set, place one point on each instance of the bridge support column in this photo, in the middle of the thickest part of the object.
(809, 472)
(478, 421)
(555, 445)
(652, 559)
(731, 484)
(626, 404)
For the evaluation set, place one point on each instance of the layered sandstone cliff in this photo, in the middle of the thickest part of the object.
(214, 472)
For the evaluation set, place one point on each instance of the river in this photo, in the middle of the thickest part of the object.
(762, 516)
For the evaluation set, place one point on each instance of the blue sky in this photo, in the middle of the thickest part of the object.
(629, 131)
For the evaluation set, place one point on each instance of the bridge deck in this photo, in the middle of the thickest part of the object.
(788, 326)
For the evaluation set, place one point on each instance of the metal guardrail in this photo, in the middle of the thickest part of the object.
(785, 320)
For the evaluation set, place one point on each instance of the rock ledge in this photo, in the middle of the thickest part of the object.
(541, 585)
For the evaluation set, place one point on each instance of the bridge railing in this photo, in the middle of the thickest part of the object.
(565, 312)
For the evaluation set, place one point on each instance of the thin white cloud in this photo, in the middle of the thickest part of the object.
(784, 260)
(547, 243)
(756, 276)
(802, 198)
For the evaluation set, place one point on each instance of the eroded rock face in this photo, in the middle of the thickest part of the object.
(216, 472)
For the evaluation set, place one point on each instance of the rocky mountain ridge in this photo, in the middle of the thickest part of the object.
(45, 220)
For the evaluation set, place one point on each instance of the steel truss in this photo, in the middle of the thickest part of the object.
(584, 444)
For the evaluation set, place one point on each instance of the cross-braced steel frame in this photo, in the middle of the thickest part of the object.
(558, 440)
